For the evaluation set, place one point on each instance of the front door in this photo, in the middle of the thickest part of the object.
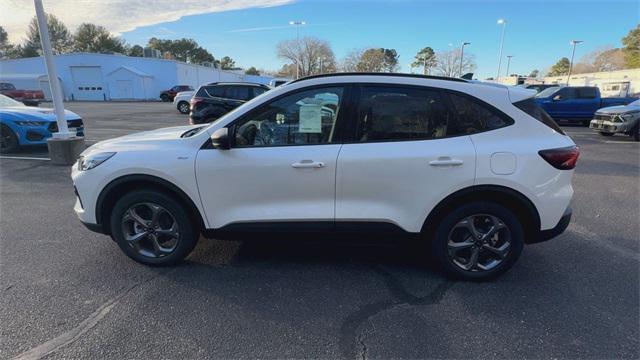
(281, 166)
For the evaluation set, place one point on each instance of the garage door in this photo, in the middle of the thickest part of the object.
(87, 83)
(125, 89)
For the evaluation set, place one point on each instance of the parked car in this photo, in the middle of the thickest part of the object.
(575, 103)
(278, 82)
(476, 170)
(539, 87)
(28, 97)
(168, 95)
(22, 125)
(621, 119)
(214, 100)
(181, 101)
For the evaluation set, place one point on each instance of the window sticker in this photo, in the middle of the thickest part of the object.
(310, 119)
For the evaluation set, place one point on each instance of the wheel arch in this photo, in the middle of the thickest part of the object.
(122, 185)
(512, 199)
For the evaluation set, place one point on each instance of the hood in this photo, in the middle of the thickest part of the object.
(618, 109)
(36, 113)
(142, 140)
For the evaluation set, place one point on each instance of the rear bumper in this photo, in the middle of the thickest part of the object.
(549, 234)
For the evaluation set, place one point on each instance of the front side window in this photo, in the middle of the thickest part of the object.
(566, 94)
(388, 113)
(215, 91)
(473, 116)
(305, 117)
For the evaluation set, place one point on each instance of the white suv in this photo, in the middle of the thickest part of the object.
(479, 170)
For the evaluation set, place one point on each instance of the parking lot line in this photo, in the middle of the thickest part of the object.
(621, 142)
(24, 158)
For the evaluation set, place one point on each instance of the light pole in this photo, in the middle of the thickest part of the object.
(508, 63)
(462, 55)
(502, 22)
(573, 53)
(297, 23)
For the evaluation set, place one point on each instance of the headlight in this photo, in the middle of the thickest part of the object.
(30, 123)
(90, 161)
(626, 117)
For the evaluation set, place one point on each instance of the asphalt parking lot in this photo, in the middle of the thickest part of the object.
(70, 293)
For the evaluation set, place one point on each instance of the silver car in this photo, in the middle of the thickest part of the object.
(623, 119)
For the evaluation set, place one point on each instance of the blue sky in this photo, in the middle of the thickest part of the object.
(537, 33)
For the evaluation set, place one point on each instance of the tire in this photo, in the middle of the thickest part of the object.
(168, 249)
(183, 107)
(586, 123)
(8, 140)
(508, 241)
(635, 133)
(606, 133)
(164, 97)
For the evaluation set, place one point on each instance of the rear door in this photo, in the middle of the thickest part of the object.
(407, 153)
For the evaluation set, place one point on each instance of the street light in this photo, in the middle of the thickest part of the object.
(508, 63)
(574, 43)
(297, 23)
(502, 22)
(462, 55)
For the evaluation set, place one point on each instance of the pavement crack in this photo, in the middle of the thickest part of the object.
(349, 329)
(85, 325)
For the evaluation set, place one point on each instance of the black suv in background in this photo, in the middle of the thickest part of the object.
(214, 100)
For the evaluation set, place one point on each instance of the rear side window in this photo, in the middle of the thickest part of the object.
(237, 93)
(388, 113)
(258, 91)
(472, 116)
(586, 93)
(532, 109)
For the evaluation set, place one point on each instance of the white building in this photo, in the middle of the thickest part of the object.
(101, 77)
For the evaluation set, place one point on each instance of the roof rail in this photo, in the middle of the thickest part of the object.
(418, 76)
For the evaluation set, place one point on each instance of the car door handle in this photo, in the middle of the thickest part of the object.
(307, 164)
(446, 161)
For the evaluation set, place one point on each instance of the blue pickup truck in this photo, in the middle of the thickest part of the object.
(575, 103)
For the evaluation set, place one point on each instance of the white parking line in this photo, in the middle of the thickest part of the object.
(24, 158)
(621, 142)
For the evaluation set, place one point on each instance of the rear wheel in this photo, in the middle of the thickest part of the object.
(478, 241)
(606, 133)
(152, 228)
(8, 140)
(164, 97)
(183, 107)
(586, 123)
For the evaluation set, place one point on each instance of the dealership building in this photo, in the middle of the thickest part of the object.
(104, 77)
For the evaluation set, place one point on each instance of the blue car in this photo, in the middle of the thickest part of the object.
(22, 125)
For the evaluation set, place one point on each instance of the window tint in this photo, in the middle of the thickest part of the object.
(472, 116)
(530, 107)
(587, 93)
(258, 91)
(214, 91)
(397, 113)
(237, 92)
(566, 93)
(307, 117)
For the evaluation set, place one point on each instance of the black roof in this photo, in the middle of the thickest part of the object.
(236, 83)
(418, 76)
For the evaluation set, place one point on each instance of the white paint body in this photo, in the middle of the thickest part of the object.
(394, 182)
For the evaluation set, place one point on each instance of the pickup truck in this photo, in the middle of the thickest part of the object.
(27, 97)
(576, 103)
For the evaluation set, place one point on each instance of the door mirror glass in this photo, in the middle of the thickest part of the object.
(220, 139)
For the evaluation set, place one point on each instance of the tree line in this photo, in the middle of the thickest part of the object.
(94, 38)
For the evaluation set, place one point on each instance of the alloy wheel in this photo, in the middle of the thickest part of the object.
(479, 242)
(184, 108)
(150, 230)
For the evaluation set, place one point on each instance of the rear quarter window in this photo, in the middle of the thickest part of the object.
(474, 116)
(531, 108)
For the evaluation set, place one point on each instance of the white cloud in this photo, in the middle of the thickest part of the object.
(116, 15)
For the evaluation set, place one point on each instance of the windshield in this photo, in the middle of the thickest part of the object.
(547, 92)
(6, 101)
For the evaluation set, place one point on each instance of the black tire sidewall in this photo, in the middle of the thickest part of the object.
(440, 239)
(188, 234)
(13, 136)
(606, 134)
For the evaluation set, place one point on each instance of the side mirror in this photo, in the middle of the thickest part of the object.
(557, 98)
(220, 139)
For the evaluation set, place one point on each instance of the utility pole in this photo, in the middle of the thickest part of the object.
(297, 23)
(504, 25)
(508, 63)
(573, 53)
(462, 55)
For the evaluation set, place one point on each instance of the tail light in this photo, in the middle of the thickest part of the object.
(194, 101)
(561, 158)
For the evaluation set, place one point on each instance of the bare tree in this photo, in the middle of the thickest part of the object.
(602, 59)
(448, 63)
(350, 62)
(310, 54)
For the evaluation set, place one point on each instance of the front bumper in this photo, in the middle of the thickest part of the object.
(38, 135)
(608, 126)
(562, 225)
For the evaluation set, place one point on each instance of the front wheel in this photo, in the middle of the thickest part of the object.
(8, 140)
(152, 228)
(183, 107)
(478, 241)
(636, 133)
